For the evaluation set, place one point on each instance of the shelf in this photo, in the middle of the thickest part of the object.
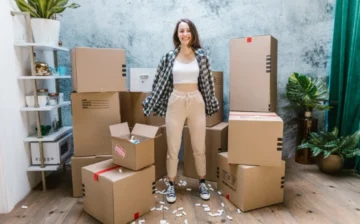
(51, 137)
(46, 108)
(43, 47)
(45, 77)
(46, 168)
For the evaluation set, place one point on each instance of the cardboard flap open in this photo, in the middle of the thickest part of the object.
(145, 130)
(121, 129)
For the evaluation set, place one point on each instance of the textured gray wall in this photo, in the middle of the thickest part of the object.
(303, 29)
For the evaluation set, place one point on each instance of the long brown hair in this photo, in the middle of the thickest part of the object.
(195, 40)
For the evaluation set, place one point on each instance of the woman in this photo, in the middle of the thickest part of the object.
(183, 89)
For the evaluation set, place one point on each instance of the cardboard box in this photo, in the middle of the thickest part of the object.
(134, 156)
(117, 197)
(250, 187)
(141, 79)
(253, 74)
(160, 153)
(76, 164)
(216, 141)
(92, 114)
(132, 110)
(98, 69)
(255, 138)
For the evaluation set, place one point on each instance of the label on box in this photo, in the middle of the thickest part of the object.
(120, 151)
(229, 180)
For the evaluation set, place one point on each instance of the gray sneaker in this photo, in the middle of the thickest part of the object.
(171, 194)
(204, 192)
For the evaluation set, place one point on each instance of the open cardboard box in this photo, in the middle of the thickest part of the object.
(133, 155)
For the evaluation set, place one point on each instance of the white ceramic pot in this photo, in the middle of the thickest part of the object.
(45, 31)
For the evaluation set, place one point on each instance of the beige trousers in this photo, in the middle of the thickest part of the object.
(184, 105)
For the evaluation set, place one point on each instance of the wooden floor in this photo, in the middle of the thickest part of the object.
(310, 197)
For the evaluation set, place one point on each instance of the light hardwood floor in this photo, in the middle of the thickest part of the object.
(310, 197)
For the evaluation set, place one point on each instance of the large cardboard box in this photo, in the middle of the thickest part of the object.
(132, 110)
(216, 141)
(133, 155)
(141, 79)
(76, 164)
(92, 114)
(253, 74)
(112, 196)
(250, 187)
(160, 153)
(98, 69)
(255, 138)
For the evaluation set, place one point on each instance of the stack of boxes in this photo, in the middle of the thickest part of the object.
(98, 75)
(121, 189)
(251, 174)
(216, 137)
(109, 169)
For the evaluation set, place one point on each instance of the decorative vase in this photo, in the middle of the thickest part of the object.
(305, 125)
(45, 31)
(330, 165)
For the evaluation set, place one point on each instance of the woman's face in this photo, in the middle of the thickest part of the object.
(184, 33)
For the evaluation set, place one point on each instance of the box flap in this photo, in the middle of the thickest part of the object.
(145, 130)
(267, 116)
(121, 129)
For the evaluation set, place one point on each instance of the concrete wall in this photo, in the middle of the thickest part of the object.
(144, 28)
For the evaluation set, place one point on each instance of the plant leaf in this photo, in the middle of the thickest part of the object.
(306, 92)
(25, 7)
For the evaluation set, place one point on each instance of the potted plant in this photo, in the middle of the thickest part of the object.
(305, 95)
(44, 26)
(330, 150)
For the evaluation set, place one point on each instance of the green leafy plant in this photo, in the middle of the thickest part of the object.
(329, 143)
(45, 9)
(306, 93)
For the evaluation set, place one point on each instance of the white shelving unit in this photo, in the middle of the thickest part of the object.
(30, 77)
(53, 135)
(50, 137)
(42, 47)
(47, 107)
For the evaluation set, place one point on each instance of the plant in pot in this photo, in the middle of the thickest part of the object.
(44, 26)
(305, 95)
(330, 150)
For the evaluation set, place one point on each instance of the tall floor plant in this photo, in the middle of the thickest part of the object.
(305, 95)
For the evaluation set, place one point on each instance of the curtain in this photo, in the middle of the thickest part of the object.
(344, 83)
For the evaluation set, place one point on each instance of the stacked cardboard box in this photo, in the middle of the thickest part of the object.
(131, 171)
(251, 174)
(114, 194)
(98, 75)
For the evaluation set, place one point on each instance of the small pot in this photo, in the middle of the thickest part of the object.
(331, 165)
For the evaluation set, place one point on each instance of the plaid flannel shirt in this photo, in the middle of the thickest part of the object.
(163, 86)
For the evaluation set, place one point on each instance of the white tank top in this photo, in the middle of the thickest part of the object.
(185, 72)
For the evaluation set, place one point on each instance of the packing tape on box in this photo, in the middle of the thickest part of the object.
(96, 175)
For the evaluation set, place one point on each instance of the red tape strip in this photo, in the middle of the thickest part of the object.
(96, 175)
(228, 197)
(136, 215)
(249, 39)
